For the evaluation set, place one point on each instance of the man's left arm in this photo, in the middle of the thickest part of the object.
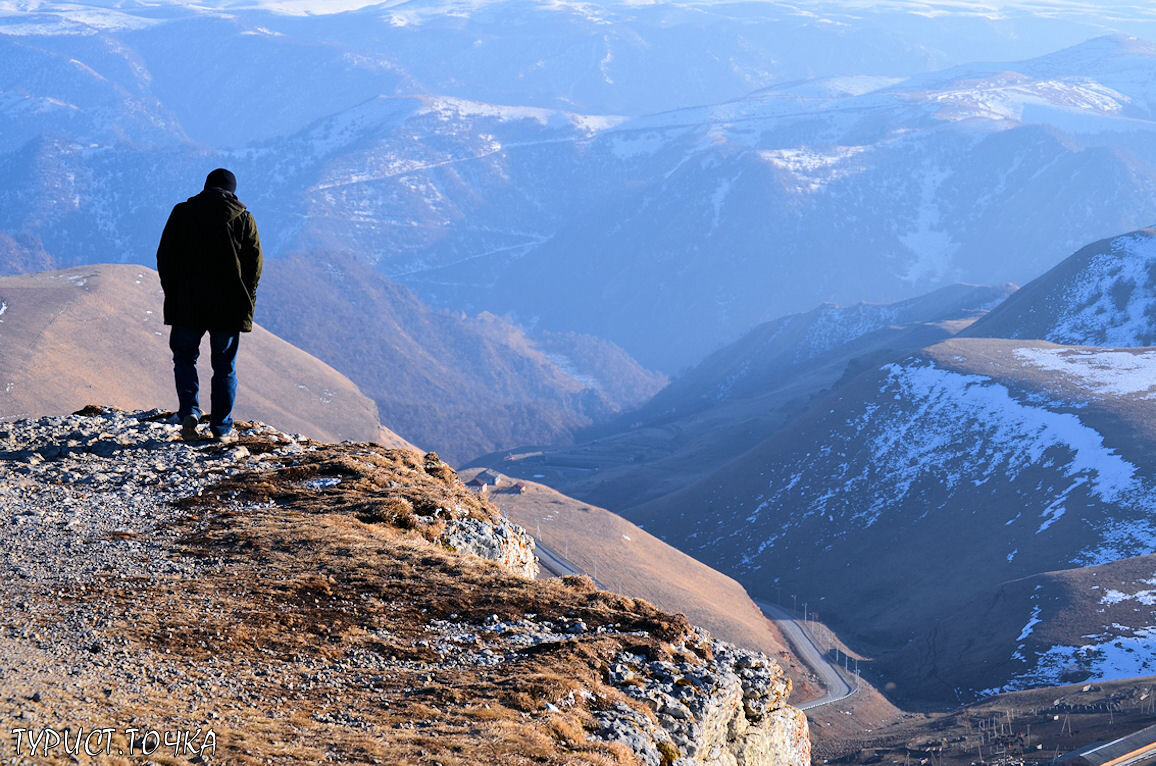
(250, 255)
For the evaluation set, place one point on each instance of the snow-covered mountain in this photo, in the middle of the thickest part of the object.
(225, 67)
(1104, 295)
(918, 488)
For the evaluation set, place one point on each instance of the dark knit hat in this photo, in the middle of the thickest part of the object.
(221, 179)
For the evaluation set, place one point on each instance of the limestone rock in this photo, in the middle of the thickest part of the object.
(504, 542)
(727, 709)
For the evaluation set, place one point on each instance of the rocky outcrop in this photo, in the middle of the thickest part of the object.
(208, 587)
(503, 541)
(717, 706)
(95, 447)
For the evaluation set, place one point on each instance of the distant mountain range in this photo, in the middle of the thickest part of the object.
(175, 65)
(551, 189)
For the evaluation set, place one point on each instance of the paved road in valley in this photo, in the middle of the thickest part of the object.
(555, 563)
(805, 647)
(552, 562)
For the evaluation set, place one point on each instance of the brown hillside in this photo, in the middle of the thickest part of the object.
(632, 561)
(94, 333)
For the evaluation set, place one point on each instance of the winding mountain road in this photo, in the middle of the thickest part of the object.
(556, 564)
(833, 681)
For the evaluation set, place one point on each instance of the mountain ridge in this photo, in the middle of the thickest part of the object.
(682, 224)
(955, 443)
(1095, 297)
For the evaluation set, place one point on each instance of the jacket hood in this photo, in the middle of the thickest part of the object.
(225, 201)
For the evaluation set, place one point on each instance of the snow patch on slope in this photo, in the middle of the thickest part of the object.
(1109, 657)
(68, 20)
(1113, 300)
(455, 108)
(814, 168)
(931, 246)
(1014, 436)
(1145, 597)
(1110, 373)
(949, 429)
(1123, 538)
(1033, 621)
(835, 326)
(1008, 95)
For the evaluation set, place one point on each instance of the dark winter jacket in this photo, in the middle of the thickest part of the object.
(210, 262)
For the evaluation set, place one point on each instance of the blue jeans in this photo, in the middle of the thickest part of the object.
(186, 346)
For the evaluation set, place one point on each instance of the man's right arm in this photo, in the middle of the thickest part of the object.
(168, 250)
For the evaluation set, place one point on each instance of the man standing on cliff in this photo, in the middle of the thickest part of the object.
(209, 260)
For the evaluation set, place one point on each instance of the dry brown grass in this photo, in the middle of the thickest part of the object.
(307, 636)
(630, 560)
(396, 487)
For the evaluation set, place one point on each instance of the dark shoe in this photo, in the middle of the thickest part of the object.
(229, 437)
(189, 428)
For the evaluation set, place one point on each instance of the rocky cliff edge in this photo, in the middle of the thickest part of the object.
(284, 601)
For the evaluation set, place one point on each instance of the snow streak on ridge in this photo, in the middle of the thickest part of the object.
(1014, 436)
(1113, 301)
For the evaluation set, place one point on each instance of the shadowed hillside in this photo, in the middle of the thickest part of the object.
(462, 386)
(740, 395)
(1018, 457)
